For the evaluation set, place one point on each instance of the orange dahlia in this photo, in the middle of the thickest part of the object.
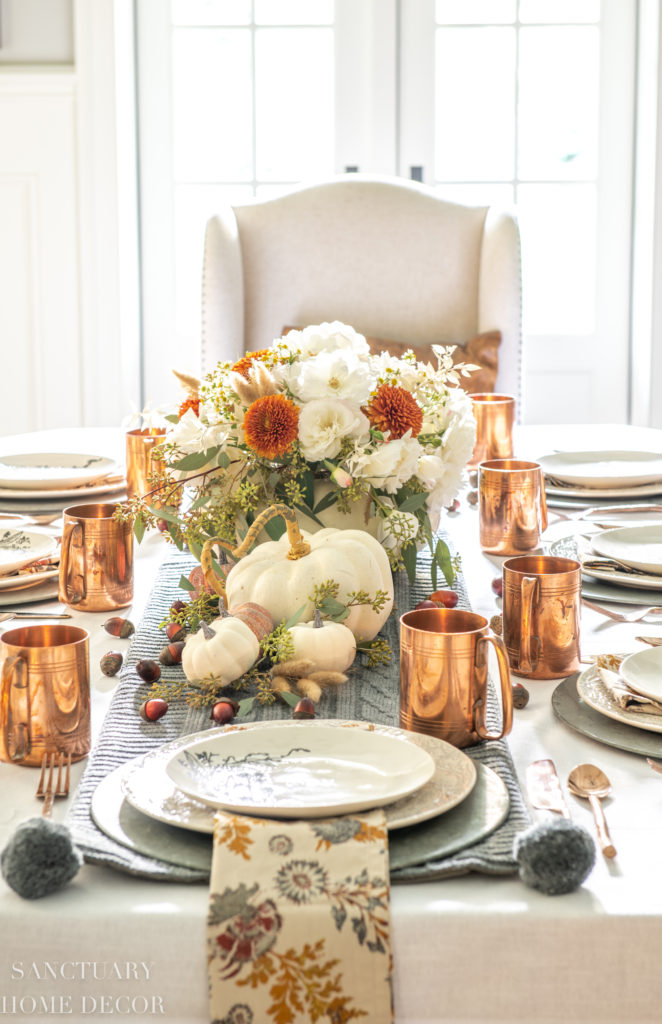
(271, 424)
(244, 364)
(396, 410)
(190, 403)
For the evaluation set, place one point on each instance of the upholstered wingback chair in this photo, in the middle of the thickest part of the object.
(385, 255)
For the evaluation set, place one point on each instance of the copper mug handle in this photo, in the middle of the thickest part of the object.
(543, 502)
(528, 658)
(506, 690)
(72, 534)
(19, 736)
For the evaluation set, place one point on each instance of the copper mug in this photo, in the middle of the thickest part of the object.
(512, 506)
(140, 446)
(96, 564)
(495, 417)
(541, 614)
(44, 693)
(443, 675)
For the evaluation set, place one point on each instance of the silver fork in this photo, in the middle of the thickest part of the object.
(46, 791)
(636, 616)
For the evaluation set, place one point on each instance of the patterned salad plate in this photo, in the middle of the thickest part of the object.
(42, 471)
(593, 691)
(149, 789)
(19, 547)
(294, 772)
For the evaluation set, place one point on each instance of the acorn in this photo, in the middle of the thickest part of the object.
(153, 709)
(177, 606)
(497, 586)
(520, 695)
(172, 653)
(446, 598)
(175, 632)
(425, 604)
(224, 711)
(496, 624)
(123, 628)
(472, 497)
(148, 670)
(454, 506)
(473, 479)
(111, 663)
(304, 708)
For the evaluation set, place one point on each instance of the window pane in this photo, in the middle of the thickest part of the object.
(551, 11)
(558, 227)
(194, 205)
(211, 12)
(474, 97)
(294, 12)
(485, 194)
(558, 107)
(211, 85)
(475, 12)
(294, 84)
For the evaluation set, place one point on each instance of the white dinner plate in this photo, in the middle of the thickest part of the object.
(594, 692)
(604, 469)
(642, 672)
(24, 580)
(19, 547)
(47, 471)
(294, 772)
(148, 788)
(586, 493)
(567, 548)
(46, 591)
(637, 546)
(82, 492)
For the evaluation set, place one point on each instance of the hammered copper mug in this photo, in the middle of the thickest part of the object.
(44, 693)
(541, 615)
(443, 675)
(511, 506)
(96, 563)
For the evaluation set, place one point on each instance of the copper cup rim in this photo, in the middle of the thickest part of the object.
(493, 397)
(443, 614)
(57, 635)
(541, 565)
(147, 432)
(85, 511)
(509, 466)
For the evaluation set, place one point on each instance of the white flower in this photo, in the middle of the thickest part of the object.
(457, 447)
(192, 435)
(326, 337)
(392, 464)
(430, 471)
(397, 529)
(324, 422)
(334, 375)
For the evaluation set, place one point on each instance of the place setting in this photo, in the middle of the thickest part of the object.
(40, 485)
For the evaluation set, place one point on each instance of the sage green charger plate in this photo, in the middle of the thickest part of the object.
(571, 709)
(483, 810)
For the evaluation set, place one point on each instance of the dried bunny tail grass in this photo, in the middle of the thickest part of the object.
(294, 667)
(280, 683)
(190, 384)
(246, 390)
(262, 379)
(309, 688)
(328, 678)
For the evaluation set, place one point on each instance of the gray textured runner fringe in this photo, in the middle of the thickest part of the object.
(374, 697)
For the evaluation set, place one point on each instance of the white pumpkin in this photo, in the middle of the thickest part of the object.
(224, 649)
(330, 645)
(351, 558)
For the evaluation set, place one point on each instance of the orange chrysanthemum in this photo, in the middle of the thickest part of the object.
(396, 410)
(244, 364)
(190, 403)
(271, 424)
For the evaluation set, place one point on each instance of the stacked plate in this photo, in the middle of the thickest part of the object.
(29, 563)
(41, 485)
(298, 770)
(640, 673)
(579, 479)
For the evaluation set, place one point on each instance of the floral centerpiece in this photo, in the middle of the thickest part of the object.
(319, 423)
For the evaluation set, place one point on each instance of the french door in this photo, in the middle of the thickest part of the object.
(528, 103)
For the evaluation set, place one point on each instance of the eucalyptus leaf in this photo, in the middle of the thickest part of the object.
(329, 499)
(196, 460)
(172, 417)
(330, 606)
(290, 698)
(275, 528)
(185, 583)
(223, 460)
(293, 619)
(307, 483)
(442, 557)
(413, 503)
(139, 528)
(408, 555)
(433, 574)
(162, 513)
(245, 707)
(309, 512)
(204, 499)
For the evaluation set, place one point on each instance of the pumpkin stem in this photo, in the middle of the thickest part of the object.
(298, 546)
(207, 631)
(223, 612)
(206, 564)
(317, 620)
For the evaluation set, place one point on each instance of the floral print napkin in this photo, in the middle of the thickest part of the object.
(298, 928)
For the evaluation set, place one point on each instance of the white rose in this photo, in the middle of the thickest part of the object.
(324, 423)
(457, 447)
(430, 471)
(392, 464)
(326, 337)
(192, 434)
(334, 375)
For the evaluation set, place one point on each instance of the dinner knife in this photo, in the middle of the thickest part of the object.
(544, 787)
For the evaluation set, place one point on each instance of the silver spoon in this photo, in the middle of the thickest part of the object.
(590, 782)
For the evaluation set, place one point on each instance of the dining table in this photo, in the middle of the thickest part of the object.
(473, 949)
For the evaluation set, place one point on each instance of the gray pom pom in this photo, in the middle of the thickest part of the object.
(554, 856)
(40, 858)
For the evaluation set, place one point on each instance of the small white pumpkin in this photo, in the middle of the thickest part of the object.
(330, 645)
(225, 649)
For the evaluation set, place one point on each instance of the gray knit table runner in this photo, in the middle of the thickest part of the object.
(372, 695)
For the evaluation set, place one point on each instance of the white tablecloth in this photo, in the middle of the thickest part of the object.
(466, 950)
